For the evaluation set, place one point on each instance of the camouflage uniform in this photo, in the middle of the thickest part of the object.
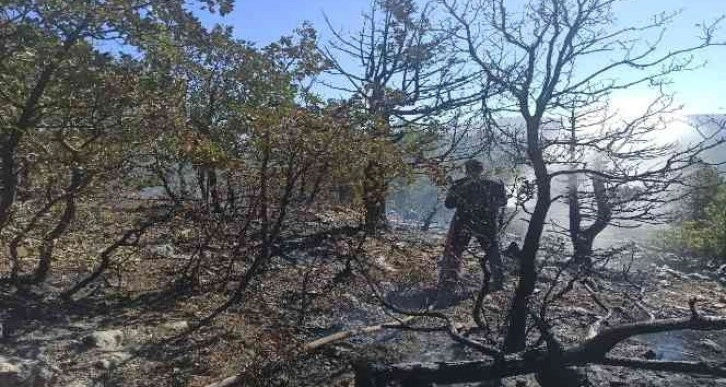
(477, 202)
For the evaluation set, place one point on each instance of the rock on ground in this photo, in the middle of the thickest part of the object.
(110, 340)
(17, 372)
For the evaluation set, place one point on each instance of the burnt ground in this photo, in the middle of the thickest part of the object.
(312, 296)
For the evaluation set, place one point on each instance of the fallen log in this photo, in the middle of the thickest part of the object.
(592, 351)
(422, 374)
(374, 375)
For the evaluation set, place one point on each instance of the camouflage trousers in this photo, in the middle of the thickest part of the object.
(457, 240)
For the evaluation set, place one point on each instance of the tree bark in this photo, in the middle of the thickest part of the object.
(214, 190)
(422, 374)
(69, 213)
(375, 188)
(583, 239)
(8, 178)
(516, 332)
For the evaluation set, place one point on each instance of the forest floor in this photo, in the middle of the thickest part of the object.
(132, 329)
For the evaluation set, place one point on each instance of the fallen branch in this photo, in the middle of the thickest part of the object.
(230, 381)
(595, 298)
(600, 345)
(640, 306)
(129, 238)
(594, 329)
(591, 351)
(355, 332)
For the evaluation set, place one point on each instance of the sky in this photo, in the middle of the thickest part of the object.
(702, 91)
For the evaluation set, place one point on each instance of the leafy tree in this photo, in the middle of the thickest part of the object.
(702, 187)
(64, 97)
(702, 231)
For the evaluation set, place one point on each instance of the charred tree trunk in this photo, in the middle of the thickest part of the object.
(202, 184)
(422, 374)
(583, 250)
(517, 329)
(183, 188)
(214, 190)
(583, 238)
(8, 178)
(231, 195)
(427, 374)
(69, 213)
(551, 366)
(317, 183)
(208, 187)
(314, 190)
(582, 247)
(374, 197)
(10, 136)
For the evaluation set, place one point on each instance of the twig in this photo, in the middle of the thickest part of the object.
(593, 330)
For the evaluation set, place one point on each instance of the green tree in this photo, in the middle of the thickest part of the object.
(701, 190)
(62, 93)
(702, 230)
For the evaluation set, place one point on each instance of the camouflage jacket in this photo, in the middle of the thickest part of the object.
(477, 200)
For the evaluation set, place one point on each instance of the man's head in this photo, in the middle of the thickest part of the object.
(474, 168)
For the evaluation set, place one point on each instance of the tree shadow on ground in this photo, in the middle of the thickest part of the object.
(25, 310)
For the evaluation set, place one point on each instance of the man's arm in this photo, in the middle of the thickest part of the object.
(452, 197)
(450, 201)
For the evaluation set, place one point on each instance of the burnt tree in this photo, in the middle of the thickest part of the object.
(405, 84)
(544, 43)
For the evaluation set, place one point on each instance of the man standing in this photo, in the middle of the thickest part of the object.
(478, 202)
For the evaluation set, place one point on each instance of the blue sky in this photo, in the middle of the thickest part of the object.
(702, 91)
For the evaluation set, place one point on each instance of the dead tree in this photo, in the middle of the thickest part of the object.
(634, 173)
(406, 84)
(532, 56)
